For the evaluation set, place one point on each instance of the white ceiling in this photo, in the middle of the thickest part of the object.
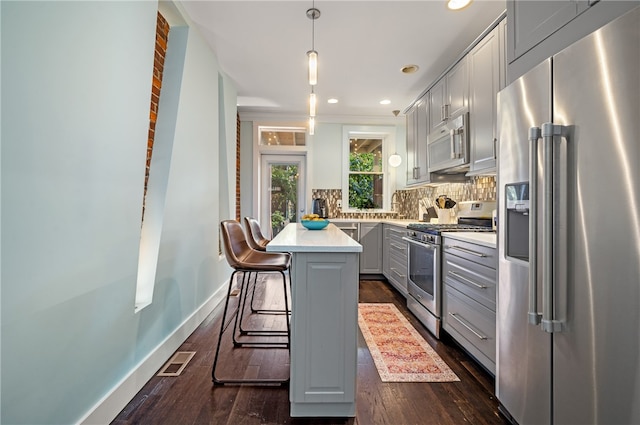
(262, 45)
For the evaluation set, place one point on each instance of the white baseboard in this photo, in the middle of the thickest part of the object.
(106, 410)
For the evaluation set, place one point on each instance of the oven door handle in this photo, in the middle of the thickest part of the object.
(420, 244)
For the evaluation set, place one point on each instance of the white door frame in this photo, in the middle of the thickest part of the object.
(264, 184)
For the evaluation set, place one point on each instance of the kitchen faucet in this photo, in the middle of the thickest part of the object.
(394, 203)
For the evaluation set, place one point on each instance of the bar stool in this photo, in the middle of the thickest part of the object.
(257, 241)
(242, 258)
(255, 237)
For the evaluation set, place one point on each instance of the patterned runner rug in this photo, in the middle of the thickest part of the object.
(399, 352)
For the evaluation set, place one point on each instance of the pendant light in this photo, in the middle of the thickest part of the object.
(395, 160)
(312, 55)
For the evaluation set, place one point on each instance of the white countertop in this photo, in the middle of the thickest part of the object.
(296, 238)
(395, 221)
(489, 239)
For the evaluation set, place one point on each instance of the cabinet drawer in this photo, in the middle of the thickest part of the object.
(396, 232)
(475, 280)
(398, 250)
(398, 270)
(472, 325)
(477, 253)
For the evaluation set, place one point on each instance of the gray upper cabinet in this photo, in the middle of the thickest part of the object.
(417, 143)
(449, 95)
(486, 78)
(437, 102)
(537, 30)
(533, 21)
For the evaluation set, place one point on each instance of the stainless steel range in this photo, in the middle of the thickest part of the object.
(425, 259)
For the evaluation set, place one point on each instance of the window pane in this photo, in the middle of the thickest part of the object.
(282, 136)
(365, 155)
(365, 190)
(284, 196)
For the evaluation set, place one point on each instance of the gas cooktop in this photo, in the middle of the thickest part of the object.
(436, 229)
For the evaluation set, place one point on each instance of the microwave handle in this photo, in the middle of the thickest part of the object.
(456, 148)
(452, 139)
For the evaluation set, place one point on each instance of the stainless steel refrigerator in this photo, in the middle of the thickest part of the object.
(568, 312)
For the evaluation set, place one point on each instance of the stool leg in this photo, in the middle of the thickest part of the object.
(238, 330)
(245, 332)
(222, 329)
(286, 307)
(217, 381)
(259, 310)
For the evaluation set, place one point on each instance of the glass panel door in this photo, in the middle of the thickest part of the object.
(282, 191)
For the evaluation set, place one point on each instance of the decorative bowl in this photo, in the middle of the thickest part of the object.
(315, 224)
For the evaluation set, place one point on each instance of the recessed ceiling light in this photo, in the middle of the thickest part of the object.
(458, 4)
(385, 102)
(332, 100)
(409, 69)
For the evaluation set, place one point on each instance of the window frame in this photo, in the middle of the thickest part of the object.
(387, 134)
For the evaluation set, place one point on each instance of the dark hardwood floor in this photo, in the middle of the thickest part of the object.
(192, 399)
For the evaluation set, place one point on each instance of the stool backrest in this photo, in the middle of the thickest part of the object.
(255, 238)
(235, 243)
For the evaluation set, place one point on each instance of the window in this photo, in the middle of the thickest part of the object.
(366, 184)
(366, 179)
(282, 136)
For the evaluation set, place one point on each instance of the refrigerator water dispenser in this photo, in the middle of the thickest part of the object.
(517, 221)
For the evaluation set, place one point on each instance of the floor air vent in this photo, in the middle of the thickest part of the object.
(177, 363)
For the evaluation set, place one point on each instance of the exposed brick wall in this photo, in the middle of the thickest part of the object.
(238, 167)
(162, 35)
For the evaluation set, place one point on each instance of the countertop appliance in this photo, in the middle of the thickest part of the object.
(424, 282)
(319, 206)
(448, 146)
(568, 315)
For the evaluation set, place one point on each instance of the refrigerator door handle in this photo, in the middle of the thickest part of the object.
(533, 314)
(549, 322)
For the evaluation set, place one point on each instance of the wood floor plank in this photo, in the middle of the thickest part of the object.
(192, 399)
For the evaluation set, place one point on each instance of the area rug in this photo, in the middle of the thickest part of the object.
(399, 352)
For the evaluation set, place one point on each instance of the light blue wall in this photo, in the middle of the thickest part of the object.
(325, 157)
(76, 82)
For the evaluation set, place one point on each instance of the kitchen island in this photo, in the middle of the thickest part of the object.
(324, 319)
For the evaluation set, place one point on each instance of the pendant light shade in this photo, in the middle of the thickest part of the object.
(395, 160)
(312, 126)
(313, 67)
(312, 104)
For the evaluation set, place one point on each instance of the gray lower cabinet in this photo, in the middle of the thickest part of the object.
(371, 241)
(369, 235)
(350, 228)
(469, 298)
(394, 257)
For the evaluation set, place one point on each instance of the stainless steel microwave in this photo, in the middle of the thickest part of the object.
(448, 146)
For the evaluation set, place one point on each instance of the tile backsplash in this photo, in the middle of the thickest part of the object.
(480, 188)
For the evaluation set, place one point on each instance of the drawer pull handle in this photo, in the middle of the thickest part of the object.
(468, 251)
(399, 247)
(459, 276)
(455, 316)
(396, 272)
